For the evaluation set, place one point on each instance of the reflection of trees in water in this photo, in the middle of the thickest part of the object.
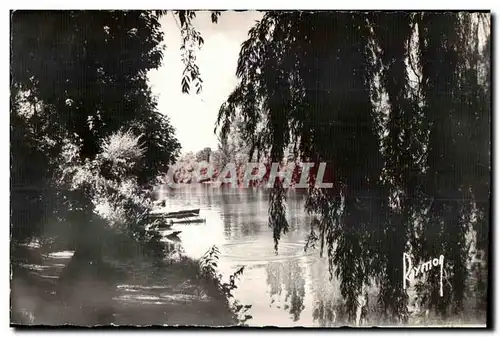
(238, 226)
(323, 313)
(230, 217)
(240, 214)
(326, 296)
(287, 275)
(329, 307)
(208, 196)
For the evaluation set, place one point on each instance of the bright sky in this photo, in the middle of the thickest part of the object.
(193, 116)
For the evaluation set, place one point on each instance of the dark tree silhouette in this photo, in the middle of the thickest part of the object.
(398, 104)
(79, 81)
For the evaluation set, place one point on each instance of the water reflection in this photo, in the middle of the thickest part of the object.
(327, 303)
(287, 277)
(240, 223)
(291, 288)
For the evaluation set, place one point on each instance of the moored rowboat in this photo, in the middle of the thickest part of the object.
(177, 215)
(186, 221)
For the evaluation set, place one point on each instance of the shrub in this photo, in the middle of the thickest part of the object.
(208, 271)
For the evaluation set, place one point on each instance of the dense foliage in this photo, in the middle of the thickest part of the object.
(86, 134)
(399, 104)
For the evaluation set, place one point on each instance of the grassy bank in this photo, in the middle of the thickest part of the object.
(133, 291)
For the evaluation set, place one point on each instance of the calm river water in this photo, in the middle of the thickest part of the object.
(291, 288)
(285, 289)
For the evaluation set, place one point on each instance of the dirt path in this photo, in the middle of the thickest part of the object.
(146, 294)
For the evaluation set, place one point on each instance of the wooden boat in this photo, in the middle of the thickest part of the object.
(188, 211)
(173, 239)
(159, 203)
(173, 235)
(159, 225)
(162, 227)
(177, 215)
(186, 221)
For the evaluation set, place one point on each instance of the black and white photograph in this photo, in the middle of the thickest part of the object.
(250, 168)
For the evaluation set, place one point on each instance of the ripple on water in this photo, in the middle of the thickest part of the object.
(263, 252)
